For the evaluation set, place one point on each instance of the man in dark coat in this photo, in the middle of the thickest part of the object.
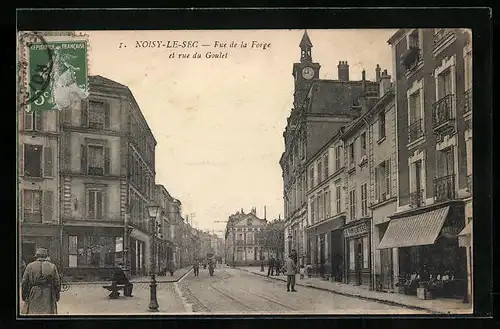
(270, 266)
(277, 266)
(120, 277)
(41, 285)
(291, 270)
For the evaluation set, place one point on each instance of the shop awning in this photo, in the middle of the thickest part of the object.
(417, 230)
(464, 237)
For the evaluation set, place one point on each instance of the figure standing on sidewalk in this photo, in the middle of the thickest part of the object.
(270, 266)
(41, 285)
(277, 266)
(196, 267)
(291, 270)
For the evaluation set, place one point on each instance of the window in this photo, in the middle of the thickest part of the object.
(414, 40)
(338, 151)
(96, 160)
(320, 172)
(73, 250)
(311, 176)
(351, 155)
(338, 198)
(445, 163)
(325, 165)
(415, 107)
(383, 181)
(95, 204)
(364, 200)
(318, 204)
(328, 197)
(97, 114)
(363, 144)
(312, 211)
(444, 84)
(33, 121)
(33, 160)
(366, 252)
(381, 125)
(95, 250)
(32, 207)
(352, 204)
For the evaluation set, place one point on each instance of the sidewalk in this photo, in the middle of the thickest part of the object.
(440, 306)
(178, 274)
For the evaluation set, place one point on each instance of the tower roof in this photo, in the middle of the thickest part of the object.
(305, 42)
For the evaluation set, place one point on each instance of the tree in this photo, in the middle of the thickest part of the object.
(272, 236)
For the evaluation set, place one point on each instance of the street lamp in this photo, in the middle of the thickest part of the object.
(153, 213)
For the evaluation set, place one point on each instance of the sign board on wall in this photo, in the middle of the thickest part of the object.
(356, 230)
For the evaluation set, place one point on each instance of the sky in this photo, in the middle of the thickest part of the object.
(219, 122)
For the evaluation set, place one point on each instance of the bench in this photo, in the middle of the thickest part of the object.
(114, 288)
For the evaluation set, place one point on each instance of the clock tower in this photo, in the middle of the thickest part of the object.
(305, 72)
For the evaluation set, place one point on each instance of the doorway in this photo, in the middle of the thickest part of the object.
(386, 269)
(358, 251)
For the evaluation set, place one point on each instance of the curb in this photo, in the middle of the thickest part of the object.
(387, 302)
(76, 283)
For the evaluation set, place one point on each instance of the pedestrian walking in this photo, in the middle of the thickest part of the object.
(291, 270)
(270, 264)
(171, 267)
(277, 265)
(302, 271)
(196, 267)
(41, 285)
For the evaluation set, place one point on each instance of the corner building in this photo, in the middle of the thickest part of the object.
(107, 174)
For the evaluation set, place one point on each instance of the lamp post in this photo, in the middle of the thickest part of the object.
(153, 213)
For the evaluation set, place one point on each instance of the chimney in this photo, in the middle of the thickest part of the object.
(377, 74)
(254, 211)
(343, 71)
(384, 83)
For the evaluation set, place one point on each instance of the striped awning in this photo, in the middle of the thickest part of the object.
(417, 230)
(464, 237)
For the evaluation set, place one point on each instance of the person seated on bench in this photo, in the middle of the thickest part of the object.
(120, 278)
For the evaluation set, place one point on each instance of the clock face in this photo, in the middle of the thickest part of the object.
(308, 73)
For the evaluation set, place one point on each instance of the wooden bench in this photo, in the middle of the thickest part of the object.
(114, 288)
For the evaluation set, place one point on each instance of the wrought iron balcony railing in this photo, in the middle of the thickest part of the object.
(468, 101)
(415, 130)
(442, 111)
(444, 188)
(416, 198)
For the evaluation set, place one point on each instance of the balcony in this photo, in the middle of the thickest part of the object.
(411, 59)
(468, 101)
(469, 184)
(416, 199)
(442, 114)
(444, 188)
(442, 39)
(415, 130)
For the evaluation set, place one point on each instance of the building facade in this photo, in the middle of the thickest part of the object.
(39, 186)
(321, 108)
(433, 96)
(242, 245)
(107, 180)
(166, 224)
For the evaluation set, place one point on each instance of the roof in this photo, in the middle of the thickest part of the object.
(334, 96)
(164, 190)
(396, 36)
(305, 42)
(103, 81)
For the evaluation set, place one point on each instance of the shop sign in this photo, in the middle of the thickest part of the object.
(356, 230)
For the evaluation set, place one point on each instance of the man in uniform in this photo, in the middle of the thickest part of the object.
(41, 285)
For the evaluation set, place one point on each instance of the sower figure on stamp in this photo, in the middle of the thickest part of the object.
(41, 285)
(291, 269)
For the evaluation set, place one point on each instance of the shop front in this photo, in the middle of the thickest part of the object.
(90, 253)
(428, 247)
(33, 236)
(357, 253)
(325, 247)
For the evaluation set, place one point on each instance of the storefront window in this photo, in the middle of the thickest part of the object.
(352, 259)
(366, 252)
(96, 251)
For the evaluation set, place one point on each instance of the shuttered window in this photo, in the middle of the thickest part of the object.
(95, 204)
(48, 158)
(364, 200)
(33, 121)
(32, 207)
(32, 160)
(48, 207)
(383, 180)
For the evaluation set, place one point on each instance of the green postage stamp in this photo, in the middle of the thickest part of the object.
(56, 73)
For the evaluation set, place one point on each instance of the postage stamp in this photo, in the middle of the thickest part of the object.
(54, 73)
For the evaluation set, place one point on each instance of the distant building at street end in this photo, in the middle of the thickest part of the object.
(242, 246)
